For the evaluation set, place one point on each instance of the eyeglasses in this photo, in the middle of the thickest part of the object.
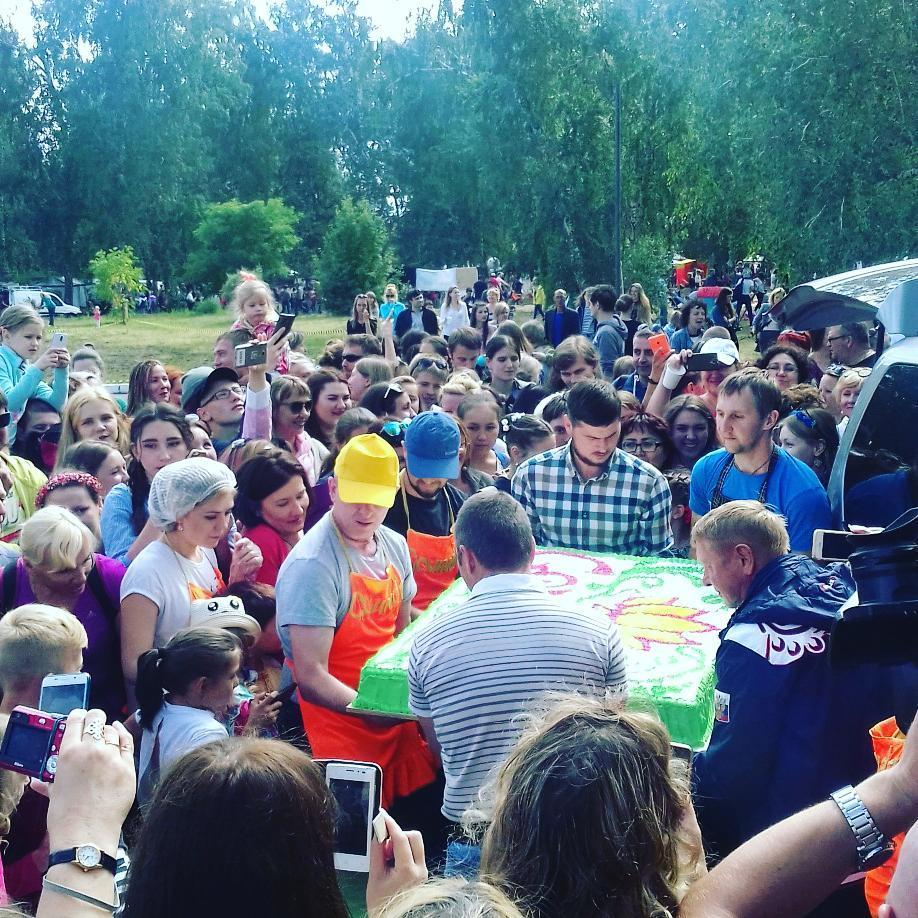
(222, 394)
(351, 358)
(802, 415)
(297, 407)
(837, 338)
(644, 446)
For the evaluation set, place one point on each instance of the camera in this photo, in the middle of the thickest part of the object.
(32, 742)
(253, 354)
(879, 623)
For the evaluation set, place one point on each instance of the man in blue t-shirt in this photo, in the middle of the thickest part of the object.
(751, 467)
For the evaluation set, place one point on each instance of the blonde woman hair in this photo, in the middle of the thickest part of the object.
(851, 379)
(374, 369)
(70, 420)
(391, 288)
(14, 317)
(744, 522)
(35, 640)
(53, 539)
(462, 382)
(450, 898)
(642, 304)
(246, 289)
(776, 296)
(588, 808)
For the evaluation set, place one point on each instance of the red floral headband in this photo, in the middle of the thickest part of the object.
(68, 480)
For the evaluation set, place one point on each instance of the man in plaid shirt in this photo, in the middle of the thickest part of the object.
(589, 494)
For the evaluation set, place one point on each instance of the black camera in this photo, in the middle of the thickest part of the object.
(879, 624)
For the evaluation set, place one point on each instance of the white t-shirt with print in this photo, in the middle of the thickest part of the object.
(168, 580)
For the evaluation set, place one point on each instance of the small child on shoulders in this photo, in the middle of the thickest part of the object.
(256, 311)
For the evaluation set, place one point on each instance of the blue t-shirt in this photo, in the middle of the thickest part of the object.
(794, 492)
(631, 383)
(557, 324)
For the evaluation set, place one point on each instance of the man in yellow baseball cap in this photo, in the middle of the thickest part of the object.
(344, 591)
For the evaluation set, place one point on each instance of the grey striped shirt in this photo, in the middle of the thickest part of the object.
(474, 669)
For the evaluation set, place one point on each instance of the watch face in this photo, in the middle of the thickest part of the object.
(88, 856)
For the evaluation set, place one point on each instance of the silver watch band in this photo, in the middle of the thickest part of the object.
(868, 838)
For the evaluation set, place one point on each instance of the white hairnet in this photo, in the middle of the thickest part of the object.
(178, 488)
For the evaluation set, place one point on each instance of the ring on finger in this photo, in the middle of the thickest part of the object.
(95, 731)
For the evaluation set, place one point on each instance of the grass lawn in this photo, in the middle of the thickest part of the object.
(180, 338)
(186, 340)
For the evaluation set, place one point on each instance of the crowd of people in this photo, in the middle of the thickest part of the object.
(226, 533)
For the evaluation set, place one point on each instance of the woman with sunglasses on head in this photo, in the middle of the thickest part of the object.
(330, 399)
(59, 567)
(388, 400)
(811, 436)
(291, 405)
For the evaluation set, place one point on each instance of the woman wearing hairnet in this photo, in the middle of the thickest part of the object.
(191, 503)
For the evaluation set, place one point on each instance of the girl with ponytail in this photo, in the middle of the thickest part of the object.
(184, 691)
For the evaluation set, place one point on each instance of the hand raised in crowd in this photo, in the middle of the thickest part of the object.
(263, 711)
(396, 864)
(246, 560)
(53, 358)
(385, 327)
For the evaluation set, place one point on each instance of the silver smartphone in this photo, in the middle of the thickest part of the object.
(62, 693)
(58, 339)
(356, 787)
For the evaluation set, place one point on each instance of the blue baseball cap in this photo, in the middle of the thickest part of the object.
(432, 446)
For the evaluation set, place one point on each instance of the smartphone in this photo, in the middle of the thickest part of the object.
(58, 339)
(253, 354)
(356, 787)
(32, 742)
(682, 752)
(702, 362)
(64, 692)
(285, 322)
(659, 343)
(285, 694)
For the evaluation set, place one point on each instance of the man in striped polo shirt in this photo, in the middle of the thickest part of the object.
(474, 669)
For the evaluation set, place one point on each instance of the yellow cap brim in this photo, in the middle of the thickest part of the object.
(362, 492)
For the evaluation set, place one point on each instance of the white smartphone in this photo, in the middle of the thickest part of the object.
(64, 692)
(356, 787)
(58, 339)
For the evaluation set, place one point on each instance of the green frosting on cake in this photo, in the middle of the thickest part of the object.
(668, 621)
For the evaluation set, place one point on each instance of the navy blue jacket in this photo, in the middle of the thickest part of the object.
(788, 728)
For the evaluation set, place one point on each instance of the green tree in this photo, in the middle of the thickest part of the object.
(231, 234)
(117, 277)
(355, 255)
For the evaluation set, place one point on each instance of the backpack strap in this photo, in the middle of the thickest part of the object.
(97, 588)
(8, 589)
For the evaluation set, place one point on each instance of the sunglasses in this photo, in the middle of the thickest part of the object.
(393, 388)
(424, 363)
(351, 358)
(298, 407)
(5, 418)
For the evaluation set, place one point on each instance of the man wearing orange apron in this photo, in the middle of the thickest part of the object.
(426, 504)
(344, 592)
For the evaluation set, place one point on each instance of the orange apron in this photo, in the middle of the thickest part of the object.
(433, 558)
(399, 750)
(888, 741)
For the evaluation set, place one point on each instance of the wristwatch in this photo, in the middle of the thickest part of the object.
(873, 847)
(88, 857)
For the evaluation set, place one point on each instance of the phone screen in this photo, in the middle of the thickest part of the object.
(62, 699)
(352, 828)
(26, 745)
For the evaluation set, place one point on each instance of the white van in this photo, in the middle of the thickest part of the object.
(32, 296)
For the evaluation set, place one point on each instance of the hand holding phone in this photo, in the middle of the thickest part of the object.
(702, 362)
(284, 323)
(357, 789)
(58, 340)
(404, 867)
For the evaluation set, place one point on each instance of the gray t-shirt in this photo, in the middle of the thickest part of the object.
(313, 584)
